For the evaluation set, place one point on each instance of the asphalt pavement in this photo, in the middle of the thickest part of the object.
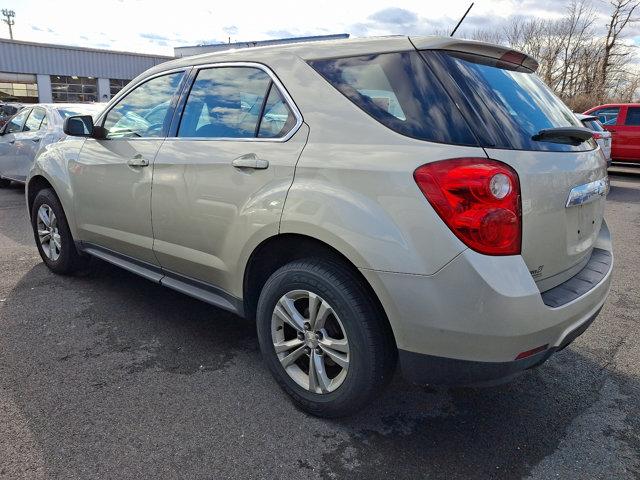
(106, 375)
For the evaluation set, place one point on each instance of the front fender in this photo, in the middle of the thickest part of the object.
(52, 164)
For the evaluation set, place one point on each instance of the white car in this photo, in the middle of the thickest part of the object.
(601, 135)
(29, 131)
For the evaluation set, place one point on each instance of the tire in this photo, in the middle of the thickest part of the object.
(355, 319)
(5, 183)
(59, 255)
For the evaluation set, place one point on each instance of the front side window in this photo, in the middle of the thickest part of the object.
(633, 116)
(399, 91)
(143, 113)
(17, 122)
(235, 102)
(607, 116)
(35, 120)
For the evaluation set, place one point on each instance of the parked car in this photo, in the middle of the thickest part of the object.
(8, 110)
(453, 222)
(623, 121)
(29, 131)
(602, 136)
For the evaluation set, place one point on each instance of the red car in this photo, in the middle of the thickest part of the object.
(623, 121)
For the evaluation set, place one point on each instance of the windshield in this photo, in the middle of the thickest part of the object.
(514, 102)
(88, 109)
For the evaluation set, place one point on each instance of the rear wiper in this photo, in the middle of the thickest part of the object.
(566, 135)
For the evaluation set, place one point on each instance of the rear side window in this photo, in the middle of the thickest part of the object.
(633, 116)
(235, 102)
(400, 91)
(607, 116)
(277, 118)
(513, 101)
(35, 120)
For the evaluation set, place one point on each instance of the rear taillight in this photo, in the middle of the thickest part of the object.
(597, 136)
(478, 199)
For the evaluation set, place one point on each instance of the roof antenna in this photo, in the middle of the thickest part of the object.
(461, 20)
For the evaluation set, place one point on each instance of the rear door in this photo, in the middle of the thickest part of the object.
(628, 134)
(509, 105)
(220, 182)
(28, 143)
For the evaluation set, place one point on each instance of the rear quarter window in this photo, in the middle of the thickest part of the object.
(401, 92)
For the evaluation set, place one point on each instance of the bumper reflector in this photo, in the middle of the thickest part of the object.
(533, 351)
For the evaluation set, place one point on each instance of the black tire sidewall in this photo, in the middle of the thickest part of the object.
(68, 255)
(348, 304)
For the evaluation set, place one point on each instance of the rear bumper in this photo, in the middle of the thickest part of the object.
(469, 322)
(427, 369)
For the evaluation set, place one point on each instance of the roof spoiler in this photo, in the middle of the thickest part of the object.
(498, 52)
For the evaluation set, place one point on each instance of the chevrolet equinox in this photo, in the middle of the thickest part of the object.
(422, 201)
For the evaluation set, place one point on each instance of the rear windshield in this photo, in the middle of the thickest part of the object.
(401, 92)
(593, 124)
(513, 103)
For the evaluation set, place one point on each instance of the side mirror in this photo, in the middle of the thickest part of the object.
(79, 126)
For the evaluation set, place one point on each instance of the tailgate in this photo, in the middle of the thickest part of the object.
(557, 239)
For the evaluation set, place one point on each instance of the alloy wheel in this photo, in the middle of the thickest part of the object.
(310, 341)
(48, 234)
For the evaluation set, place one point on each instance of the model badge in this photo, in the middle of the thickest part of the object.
(537, 272)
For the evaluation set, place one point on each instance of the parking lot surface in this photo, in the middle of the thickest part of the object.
(107, 375)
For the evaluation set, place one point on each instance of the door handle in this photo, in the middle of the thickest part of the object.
(138, 161)
(250, 160)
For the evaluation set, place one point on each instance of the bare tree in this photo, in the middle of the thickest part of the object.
(622, 14)
(577, 60)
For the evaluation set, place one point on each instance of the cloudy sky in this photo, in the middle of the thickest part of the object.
(157, 26)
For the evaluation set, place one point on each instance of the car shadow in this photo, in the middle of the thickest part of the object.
(107, 344)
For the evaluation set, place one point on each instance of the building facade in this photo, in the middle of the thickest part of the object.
(36, 72)
(217, 47)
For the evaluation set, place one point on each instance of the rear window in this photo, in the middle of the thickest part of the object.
(593, 125)
(514, 104)
(400, 91)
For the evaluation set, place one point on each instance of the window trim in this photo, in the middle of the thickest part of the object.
(275, 81)
(174, 102)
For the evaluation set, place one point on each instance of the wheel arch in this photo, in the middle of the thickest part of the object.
(278, 250)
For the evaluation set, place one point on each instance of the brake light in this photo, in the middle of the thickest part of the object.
(478, 199)
(597, 136)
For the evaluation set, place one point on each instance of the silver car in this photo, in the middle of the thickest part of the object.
(600, 134)
(368, 201)
(29, 131)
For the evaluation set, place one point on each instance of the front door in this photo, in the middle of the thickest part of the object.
(112, 176)
(221, 181)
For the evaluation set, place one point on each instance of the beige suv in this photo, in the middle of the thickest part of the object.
(426, 200)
